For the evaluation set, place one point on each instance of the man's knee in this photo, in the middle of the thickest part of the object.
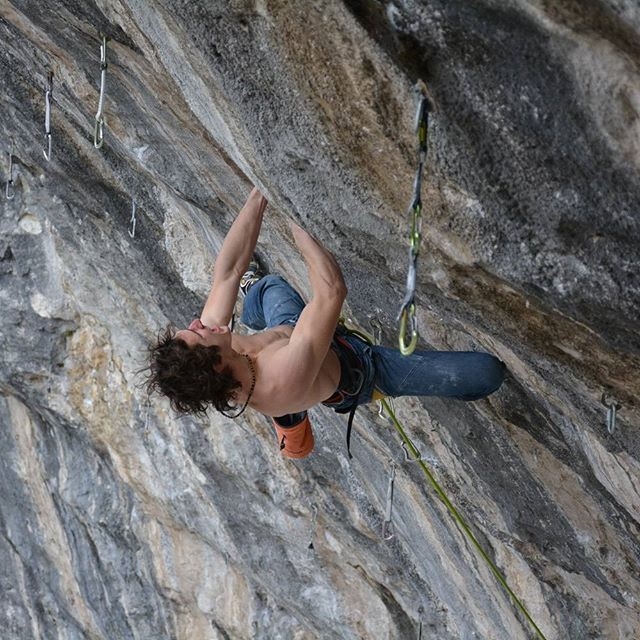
(497, 372)
(490, 378)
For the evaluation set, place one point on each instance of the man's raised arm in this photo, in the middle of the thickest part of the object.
(325, 274)
(232, 261)
(300, 362)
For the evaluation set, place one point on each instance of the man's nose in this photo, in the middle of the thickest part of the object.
(196, 324)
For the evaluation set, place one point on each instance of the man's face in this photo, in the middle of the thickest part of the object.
(197, 333)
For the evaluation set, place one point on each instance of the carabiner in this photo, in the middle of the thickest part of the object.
(10, 190)
(98, 133)
(408, 314)
(612, 411)
(47, 117)
(407, 457)
(388, 530)
(314, 524)
(132, 221)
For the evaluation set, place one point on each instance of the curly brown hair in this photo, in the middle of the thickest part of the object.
(186, 375)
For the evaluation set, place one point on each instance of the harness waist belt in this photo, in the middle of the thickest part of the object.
(351, 377)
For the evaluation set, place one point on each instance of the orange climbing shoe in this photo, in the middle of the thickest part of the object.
(294, 434)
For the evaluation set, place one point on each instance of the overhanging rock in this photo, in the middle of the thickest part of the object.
(122, 520)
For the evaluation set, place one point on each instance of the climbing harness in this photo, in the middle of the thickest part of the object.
(407, 315)
(456, 515)
(98, 132)
(612, 411)
(47, 117)
(345, 398)
(352, 376)
(132, 221)
(388, 531)
(10, 191)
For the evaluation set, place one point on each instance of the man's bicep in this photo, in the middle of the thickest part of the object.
(314, 332)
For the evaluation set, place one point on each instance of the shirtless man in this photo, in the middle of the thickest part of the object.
(302, 356)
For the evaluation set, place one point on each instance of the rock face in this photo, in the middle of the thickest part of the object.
(120, 519)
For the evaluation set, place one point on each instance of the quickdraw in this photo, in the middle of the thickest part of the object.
(98, 131)
(407, 315)
(612, 411)
(10, 190)
(387, 525)
(132, 220)
(47, 117)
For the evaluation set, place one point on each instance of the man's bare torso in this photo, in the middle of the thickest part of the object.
(270, 394)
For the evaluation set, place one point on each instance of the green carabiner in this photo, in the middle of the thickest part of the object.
(408, 313)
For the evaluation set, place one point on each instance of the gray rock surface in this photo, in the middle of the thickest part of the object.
(121, 520)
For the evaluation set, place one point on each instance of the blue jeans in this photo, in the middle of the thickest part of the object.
(465, 375)
(271, 302)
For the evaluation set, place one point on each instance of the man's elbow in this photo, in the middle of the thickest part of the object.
(340, 289)
(332, 291)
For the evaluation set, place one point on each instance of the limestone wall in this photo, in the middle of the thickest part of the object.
(120, 519)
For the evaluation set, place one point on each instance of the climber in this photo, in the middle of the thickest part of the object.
(302, 355)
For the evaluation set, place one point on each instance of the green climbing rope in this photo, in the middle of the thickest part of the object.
(456, 515)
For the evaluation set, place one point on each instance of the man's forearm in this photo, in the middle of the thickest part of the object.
(232, 261)
(324, 272)
(241, 239)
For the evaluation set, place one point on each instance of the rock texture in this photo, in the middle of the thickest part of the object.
(122, 520)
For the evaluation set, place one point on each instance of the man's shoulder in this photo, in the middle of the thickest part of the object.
(256, 343)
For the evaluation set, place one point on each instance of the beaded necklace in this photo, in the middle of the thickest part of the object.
(251, 388)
